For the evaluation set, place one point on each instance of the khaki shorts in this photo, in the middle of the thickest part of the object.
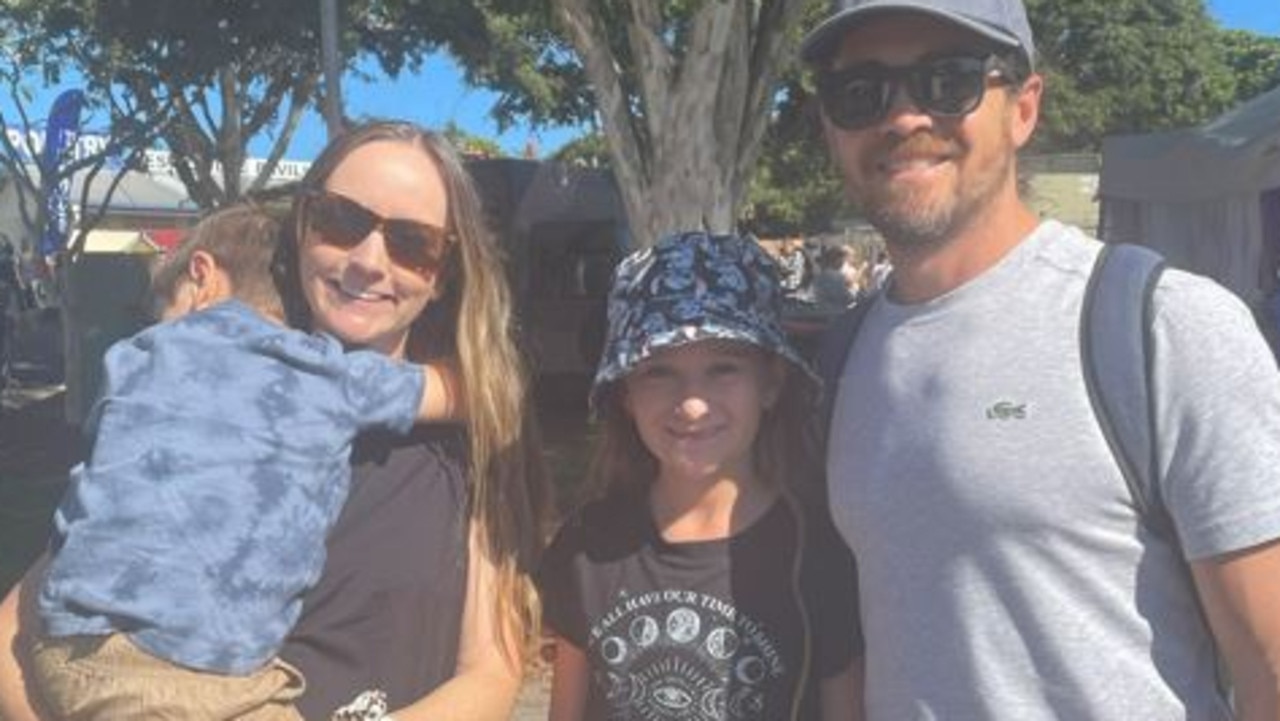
(107, 677)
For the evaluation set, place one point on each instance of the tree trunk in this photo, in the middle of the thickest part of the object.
(685, 128)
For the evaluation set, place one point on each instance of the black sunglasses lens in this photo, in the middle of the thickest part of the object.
(950, 86)
(339, 221)
(855, 98)
(860, 96)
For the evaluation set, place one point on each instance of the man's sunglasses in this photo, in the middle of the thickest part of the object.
(860, 96)
(343, 223)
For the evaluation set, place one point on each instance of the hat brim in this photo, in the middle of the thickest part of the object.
(677, 337)
(821, 41)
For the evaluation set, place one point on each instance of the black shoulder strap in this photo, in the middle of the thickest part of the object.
(833, 351)
(1116, 348)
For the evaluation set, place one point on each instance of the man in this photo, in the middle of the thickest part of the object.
(1005, 571)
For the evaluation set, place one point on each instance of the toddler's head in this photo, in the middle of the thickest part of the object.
(226, 255)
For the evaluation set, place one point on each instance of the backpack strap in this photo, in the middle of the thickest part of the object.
(1116, 349)
(833, 352)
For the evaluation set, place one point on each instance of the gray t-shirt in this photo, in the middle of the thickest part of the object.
(1005, 573)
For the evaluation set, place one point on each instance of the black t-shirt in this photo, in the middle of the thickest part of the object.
(387, 611)
(703, 630)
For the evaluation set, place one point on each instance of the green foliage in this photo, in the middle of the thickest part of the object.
(212, 74)
(511, 47)
(1254, 59)
(590, 150)
(1126, 66)
(470, 144)
(218, 73)
(795, 189)
(130, 129)
(1110, 66)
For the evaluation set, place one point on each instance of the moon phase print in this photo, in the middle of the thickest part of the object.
(680, 655)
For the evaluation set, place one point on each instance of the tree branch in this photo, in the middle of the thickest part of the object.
(298, 102)
(591, 41)
(653, 62)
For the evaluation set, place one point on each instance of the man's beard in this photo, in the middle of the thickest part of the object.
(909, 226)
(926, 218)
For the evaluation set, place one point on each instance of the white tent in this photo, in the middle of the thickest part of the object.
(1206, 197)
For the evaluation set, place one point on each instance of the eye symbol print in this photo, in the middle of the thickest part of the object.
(673, 697)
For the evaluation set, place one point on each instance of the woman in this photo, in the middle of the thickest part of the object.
(425, 594)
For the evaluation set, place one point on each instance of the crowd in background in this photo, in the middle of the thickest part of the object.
(829, 273)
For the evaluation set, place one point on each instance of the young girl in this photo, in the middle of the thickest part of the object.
(708, 582)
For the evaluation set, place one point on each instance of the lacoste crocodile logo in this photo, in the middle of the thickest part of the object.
(1007, 410)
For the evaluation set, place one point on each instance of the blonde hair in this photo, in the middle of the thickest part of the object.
(471, 318)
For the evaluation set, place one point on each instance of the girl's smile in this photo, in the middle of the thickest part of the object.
(697, 407)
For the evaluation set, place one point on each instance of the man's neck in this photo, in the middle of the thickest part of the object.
(922, 273)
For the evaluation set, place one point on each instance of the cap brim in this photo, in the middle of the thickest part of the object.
(821, 41)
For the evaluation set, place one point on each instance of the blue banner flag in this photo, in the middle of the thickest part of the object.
(60, 134)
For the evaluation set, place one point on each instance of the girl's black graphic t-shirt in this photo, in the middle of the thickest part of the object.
(708, 630)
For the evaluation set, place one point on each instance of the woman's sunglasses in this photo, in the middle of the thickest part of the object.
(343, 223)
(860, 96)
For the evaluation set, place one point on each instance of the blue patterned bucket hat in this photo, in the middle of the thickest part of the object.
(691, 287)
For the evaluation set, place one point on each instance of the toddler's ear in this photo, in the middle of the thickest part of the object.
(212, 284)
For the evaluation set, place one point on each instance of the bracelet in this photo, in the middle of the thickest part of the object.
(368, 706)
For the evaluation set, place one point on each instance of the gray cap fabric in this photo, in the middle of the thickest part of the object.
(691, 287)
(1002, 21)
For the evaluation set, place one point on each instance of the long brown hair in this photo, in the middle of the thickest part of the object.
(472, 319)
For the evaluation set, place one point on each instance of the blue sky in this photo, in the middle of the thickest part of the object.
(1261, 16)
(437, 95)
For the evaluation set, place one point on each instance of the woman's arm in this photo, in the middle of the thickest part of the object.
(841, 695)
(486, 682)
(569, 679)
(16, 619)
(442, 396)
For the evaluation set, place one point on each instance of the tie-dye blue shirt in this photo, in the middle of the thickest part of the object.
(220, 461)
